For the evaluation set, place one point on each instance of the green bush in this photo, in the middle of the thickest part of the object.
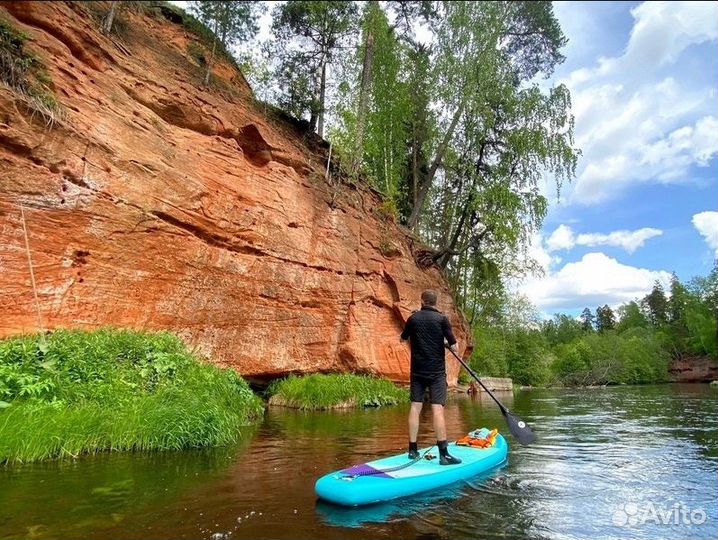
(643, 358)
(490, 351)
(569, 364)
(327, 391)
(529, 358)
(700, 322)
(82, 392)
(632, 357)
(519, 353)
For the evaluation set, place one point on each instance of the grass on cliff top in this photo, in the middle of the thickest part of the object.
(23, 72)
(81, 392)
(318, 391)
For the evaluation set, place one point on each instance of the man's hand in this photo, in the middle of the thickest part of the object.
(455, 348)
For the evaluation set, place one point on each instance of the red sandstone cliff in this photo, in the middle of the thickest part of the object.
(693, 369)
(156, 204)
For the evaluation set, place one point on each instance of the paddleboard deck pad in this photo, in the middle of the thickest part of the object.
(396, 476)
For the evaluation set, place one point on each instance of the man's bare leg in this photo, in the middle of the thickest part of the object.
(414, 428)
(414, 420)
(437, 412)
(445, 458)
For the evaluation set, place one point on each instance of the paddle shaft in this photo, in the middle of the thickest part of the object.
(475, 376)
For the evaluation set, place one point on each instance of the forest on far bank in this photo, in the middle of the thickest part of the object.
(632, 344)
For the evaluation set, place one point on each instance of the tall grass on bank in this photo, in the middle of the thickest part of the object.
(84, 392)
(328, 391)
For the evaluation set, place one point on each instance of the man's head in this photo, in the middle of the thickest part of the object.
(428, 298)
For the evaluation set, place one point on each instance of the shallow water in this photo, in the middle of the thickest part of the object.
(609, 463)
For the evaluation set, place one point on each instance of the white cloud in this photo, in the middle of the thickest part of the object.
(564, 238)
(707, 225)
(660, 33)
(561, 238)
(633, 122)
(662, 30)
(594, 280)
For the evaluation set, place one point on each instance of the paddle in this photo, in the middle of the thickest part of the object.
(517, 427)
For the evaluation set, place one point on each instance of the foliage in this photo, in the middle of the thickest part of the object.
(491, 344)
(230, 21)
(376, 126)
(193, 25)
(529, 359)
(655, 305)
(561, 329)
(587, 320)
(114, 390)
(478, 203)
(608, 358)
(605, 319)
(327, 391)
(634, 350)
(197, 52)
(630, 315)
(514, 346)
(310, 35)
(22, 71)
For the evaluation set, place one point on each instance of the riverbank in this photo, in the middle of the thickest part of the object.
(337, 391)
(77, 392)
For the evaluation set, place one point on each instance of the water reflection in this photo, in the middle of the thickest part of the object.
(597, 450)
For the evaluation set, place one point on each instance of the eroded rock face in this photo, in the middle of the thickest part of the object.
(693, 369)
(156, 204)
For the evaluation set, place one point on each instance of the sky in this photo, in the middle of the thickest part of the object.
(644, 201)
(643, 204)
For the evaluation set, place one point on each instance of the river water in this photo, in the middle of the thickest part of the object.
(621, 462)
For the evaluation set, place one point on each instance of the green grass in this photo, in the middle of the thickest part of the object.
(327, 391)
(22, 71)
(85, 392)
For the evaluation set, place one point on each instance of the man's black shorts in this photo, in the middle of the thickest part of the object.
(437, 388)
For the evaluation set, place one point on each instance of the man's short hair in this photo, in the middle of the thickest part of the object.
(429, 297)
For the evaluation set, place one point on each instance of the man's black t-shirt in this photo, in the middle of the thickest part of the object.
(426, 329)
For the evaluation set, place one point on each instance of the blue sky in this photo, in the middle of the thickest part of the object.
(643, 83)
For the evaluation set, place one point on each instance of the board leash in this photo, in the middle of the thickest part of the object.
(390, 469)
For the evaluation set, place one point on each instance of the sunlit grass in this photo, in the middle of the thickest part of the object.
(328, 391)
(107, 390)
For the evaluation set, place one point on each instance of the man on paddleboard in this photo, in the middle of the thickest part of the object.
(426, 330)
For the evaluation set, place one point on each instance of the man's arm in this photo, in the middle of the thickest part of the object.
(406, 334)
(449, 334)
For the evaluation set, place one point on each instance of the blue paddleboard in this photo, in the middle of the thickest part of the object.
(383, 480)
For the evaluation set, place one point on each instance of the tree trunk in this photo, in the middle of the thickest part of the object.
(109, 18)
(420, 197)
(426, 182)
(366, 74)
(450, 249)
(322, 96)
(209, 62)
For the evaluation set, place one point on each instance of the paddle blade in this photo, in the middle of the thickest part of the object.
(519, 429)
